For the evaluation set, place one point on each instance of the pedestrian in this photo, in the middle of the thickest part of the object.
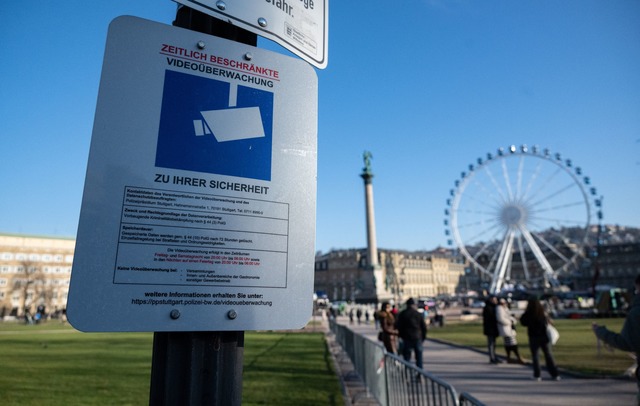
(388, 332)
(412, 330)
(359, 314)
(376, 320)
(490, 327)
(536, 321)
(366, 316)
(629, 337)
(351, 316)
(506, 330)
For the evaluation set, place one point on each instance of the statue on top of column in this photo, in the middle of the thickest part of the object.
(366, 156)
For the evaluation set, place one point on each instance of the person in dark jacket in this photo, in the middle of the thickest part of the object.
(536, 320)
(490, 327)
(412, 330)
(629, 337)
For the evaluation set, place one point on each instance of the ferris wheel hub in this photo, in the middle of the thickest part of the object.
(513, 214)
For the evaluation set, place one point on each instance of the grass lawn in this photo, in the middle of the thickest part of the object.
(52, 364)
(576, 349)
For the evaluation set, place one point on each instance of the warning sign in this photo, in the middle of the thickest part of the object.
(199, 199)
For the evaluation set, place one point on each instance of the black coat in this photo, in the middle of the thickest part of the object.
(411, 325)
(489, 320)
(536, 326)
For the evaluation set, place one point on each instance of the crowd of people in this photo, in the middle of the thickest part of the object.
(403, 332)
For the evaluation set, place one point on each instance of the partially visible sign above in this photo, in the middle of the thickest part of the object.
(301, 26)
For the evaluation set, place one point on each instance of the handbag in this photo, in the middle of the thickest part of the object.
(380, 336)
(553, 334)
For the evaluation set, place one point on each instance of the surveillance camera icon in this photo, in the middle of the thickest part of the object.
(232, 124)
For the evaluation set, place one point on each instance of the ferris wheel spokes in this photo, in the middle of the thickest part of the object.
(487, 193)
(525, 266)
(504, 260)
(537, 253)
(555, 194)
(519, 180)
(486, 230)
(533, 179)
(562, 206)
(552, 248)
(495, 184)
(507, 181)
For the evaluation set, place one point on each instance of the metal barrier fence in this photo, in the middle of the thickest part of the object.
(391, 380)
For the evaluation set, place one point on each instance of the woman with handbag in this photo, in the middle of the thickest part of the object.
(388, 331)
(536, 320)
(507, 331)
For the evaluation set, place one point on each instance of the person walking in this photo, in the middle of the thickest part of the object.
(490, 327)
(507, 331)
(388, 331)
(412, 330)
(629, 337)
(536, 320)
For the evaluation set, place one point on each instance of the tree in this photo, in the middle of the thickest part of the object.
(32, 286)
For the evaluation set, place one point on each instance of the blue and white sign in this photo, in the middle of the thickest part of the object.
(198, 211)
(203, 118)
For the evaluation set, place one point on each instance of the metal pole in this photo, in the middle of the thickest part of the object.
(202, 367)
(197, 21)
(197, 368)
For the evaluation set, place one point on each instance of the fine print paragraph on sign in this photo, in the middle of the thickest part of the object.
(194, 239)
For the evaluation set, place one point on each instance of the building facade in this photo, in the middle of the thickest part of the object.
(344, 275)
(617, 265)
(34, 274)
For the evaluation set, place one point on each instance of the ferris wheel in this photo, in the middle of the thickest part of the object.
(522, 216)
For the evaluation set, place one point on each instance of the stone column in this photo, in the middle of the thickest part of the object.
(372, 246)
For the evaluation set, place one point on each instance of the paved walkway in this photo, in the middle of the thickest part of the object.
(468, 370)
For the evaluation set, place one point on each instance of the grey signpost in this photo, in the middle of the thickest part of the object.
(199, 367)
(198, 213)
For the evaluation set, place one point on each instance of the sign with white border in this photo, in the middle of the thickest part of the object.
(301, 26)
(198, 211)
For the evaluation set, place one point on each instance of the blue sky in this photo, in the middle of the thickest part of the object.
(427, 86)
